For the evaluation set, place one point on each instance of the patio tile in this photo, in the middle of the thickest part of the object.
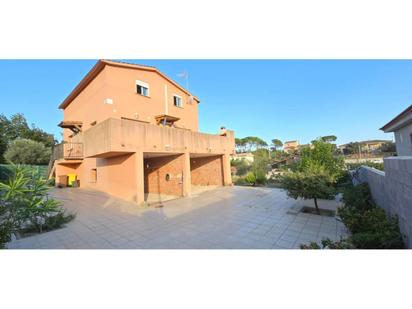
(225, 218)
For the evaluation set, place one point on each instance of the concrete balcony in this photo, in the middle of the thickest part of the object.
(115, 137)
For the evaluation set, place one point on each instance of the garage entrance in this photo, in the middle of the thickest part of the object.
(163, 176)
(206, 171)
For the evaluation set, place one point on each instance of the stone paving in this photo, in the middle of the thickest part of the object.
(223, 218)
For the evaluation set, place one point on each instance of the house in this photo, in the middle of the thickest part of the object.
(130, 130)
(401, 126)
(248, 156)
(369, 146)
(290, 146)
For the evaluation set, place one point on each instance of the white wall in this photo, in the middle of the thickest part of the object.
(403, 141)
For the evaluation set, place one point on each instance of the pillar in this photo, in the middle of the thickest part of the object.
(187, 180)
(227, 173)
(139, 177)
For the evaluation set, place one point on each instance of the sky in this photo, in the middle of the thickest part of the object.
(284, 99)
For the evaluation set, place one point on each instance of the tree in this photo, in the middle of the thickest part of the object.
(315, 184)
(321, 155)
(388, 147)
(315, 174)
(25, 151)
(352, 148)
(329, 138)
(249, 143)
(277, 143)
(16, 127)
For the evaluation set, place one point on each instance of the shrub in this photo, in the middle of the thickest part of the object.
(239, 181)
(50, 223)
(375, 165)
(381, 239)
(5, 172)
(260, 178)
(25, 151)
(369, 224)
(24, 204)
(330, 244)
(359, 197)
(250, 178)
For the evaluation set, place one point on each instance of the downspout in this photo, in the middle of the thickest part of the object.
(166, 106)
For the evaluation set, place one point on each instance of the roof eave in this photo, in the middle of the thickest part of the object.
(394, 124)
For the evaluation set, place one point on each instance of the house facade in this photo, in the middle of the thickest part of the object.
(401, 126)
(369, 146)
(290, 146)
(247, 156)
(129, 130)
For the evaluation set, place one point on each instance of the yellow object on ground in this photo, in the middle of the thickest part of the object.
(72, 178)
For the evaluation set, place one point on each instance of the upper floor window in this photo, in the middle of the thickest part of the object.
(177, 101)
(142, 88)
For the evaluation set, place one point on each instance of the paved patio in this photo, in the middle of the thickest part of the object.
(223, 218)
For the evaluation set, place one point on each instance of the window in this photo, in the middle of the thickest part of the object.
(177, 101)
(93, 175)
(142, 88)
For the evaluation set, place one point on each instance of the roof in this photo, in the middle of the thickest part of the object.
(290, 142)
(391, 125)
(99, 66)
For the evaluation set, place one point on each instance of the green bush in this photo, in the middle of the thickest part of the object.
(50, 223)
(5, 172)
(239, 181)
(24, 204)
(369, 224)
(375, 165)
(25, 151)
(387, 238)
(330, 244)
(359, 197)
(250, 178)
(260, 178)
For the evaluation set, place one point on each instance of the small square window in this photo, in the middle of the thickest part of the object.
(142, 90)
(177, 101)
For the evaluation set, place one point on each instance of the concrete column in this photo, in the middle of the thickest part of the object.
(227, 175)
(187, 180)
(139, 177)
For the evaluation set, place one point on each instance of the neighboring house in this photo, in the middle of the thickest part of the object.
(370, 146)
(290, 146)
(401, 126)
(131, 130)
(248, 156)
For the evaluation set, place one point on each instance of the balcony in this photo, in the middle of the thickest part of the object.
(68, 151)
(114, 137)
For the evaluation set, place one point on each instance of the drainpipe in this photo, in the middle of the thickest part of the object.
(166, 107)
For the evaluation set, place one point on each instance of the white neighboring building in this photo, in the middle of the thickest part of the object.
(401, 126)
(248, 156)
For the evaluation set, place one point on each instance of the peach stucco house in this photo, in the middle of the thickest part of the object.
(131, 130)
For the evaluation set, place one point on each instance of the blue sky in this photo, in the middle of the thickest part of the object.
(285, 99)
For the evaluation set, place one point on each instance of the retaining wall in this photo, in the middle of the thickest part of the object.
(392, 190)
